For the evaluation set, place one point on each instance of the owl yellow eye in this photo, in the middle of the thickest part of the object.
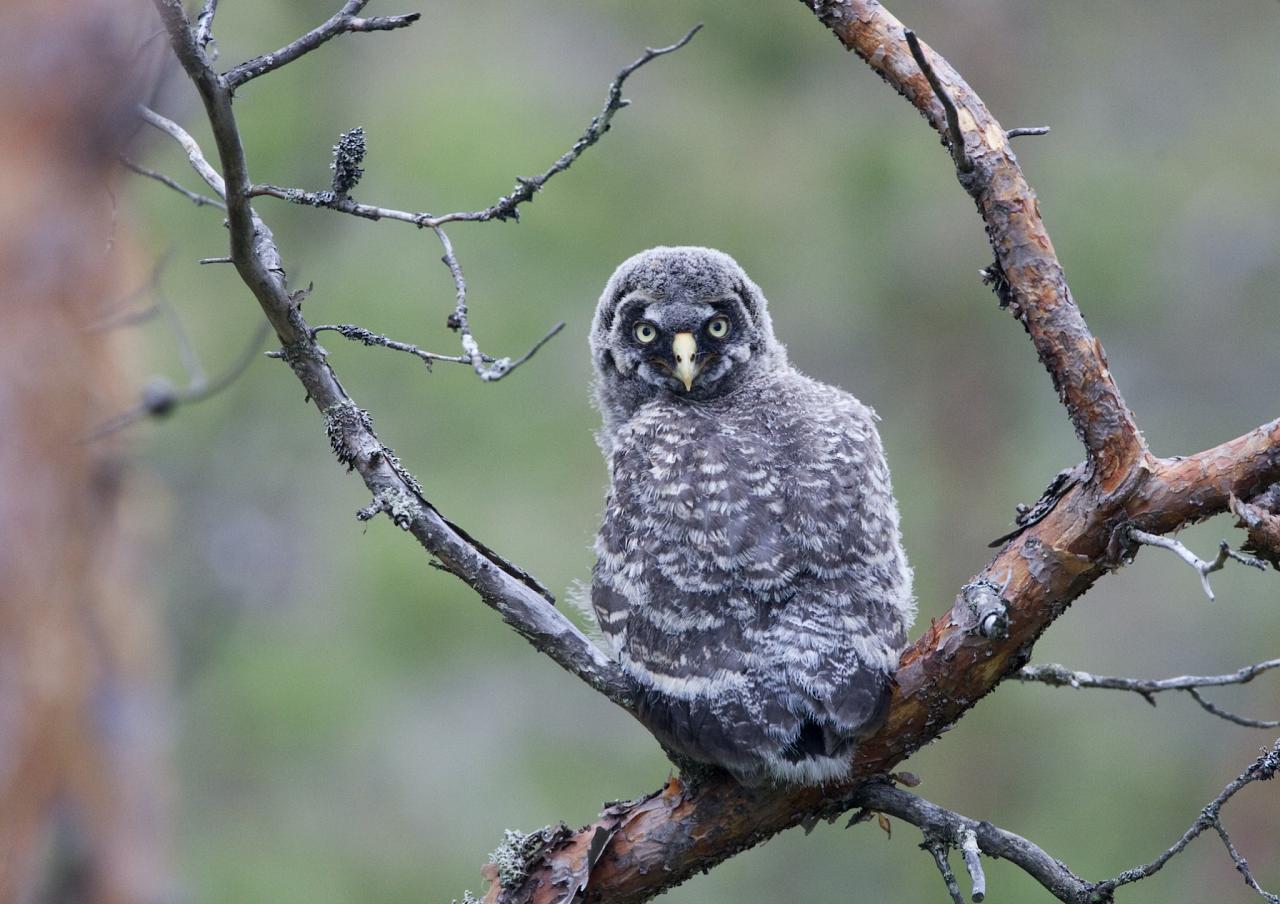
(718, 328)
(646, 332)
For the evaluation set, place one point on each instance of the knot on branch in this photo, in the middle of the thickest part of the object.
(348, 154)
(985, 605)
(159, 397)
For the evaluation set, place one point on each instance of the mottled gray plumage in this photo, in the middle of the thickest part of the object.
(751, 578)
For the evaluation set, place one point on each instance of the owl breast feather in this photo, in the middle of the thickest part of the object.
(750, 577)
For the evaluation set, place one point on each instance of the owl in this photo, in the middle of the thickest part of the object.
(750, 577)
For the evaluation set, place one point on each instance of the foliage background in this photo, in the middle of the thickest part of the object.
(352, 725)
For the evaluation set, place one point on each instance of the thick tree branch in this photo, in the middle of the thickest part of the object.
(1036, 292)
(663, 839)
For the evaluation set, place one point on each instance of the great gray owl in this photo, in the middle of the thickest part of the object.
(750, 575)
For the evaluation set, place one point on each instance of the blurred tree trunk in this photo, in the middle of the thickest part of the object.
(82, 780)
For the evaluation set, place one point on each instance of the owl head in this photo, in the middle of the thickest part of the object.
(684, 324)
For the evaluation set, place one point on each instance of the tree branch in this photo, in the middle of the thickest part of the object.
(1056, 675)
(198, 199)
(503, 586)
(955, 135)
(639, 848)
(1037, 291)
(944, 829)
(344, 20)
(952, 829)
(1260, 516)
(506, 207)
(1263, 769)
(1203, 568)
(659, 841)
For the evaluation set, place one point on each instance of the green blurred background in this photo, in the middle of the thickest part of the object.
(351, 725)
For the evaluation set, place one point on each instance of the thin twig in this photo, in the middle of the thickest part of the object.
(487, 368)
(958, 152)
(1262, 769)
(1060, 676)
(1203, 568)
(1029, 130)
(1242, 865)
(198, 199)
(118, 313)
(367, 337)
(195, 156)
(215, 260)
(507, 206)
(197, 379)
(344, 20)
(204, 30)
(1056, 675)
(525, 188)
(948, 827)
(160, 398)
(1230, 716)
(939, 851)
(973, 864)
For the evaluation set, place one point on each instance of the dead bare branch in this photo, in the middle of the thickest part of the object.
(204, 29)
(343, 21)
(506, 207)
(160, 398)
(522, 602)
(1203, 568)
(1056, 675)
(198, 199)
(1263, 769)
(945, 828)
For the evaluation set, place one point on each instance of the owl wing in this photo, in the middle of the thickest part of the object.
(842, 631)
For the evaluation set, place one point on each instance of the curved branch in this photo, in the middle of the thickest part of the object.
(1026, 271)
(637, 850)
(993, 841)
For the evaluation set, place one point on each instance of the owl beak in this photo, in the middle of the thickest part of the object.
(685, 349)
